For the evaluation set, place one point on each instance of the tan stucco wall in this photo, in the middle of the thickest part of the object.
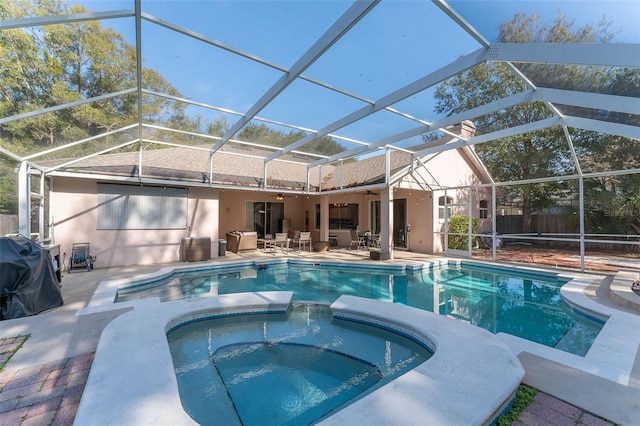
(419, 216)
(74, 217)
(461, 196)
(447, 169)
(212, 213)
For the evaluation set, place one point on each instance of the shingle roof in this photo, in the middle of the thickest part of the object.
(371, 170)
(239, 166)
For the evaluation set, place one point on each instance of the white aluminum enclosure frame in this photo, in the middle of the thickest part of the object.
(608, 55)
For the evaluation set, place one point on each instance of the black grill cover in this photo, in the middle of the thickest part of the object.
(28, 283)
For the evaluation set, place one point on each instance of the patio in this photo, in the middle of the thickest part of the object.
(43, 381)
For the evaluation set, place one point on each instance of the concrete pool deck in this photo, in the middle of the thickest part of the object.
(59, 335)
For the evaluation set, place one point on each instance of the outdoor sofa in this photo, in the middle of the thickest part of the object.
(242, 241)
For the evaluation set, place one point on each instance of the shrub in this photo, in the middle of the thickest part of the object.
(524, 397)
(459, 224)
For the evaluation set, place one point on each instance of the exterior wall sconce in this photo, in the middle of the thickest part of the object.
(279, 197)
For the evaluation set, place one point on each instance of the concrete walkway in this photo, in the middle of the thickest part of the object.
(42, 382)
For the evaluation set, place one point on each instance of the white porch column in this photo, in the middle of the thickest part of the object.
(386, 221)
(24, 200)
(41, 209)
(324, 218)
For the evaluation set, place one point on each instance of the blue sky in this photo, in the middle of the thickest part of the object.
(625, 15)
(397, 43)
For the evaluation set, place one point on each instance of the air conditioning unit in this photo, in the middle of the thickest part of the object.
(195, 249)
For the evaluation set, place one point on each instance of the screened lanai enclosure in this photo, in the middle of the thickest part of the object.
(299, 93)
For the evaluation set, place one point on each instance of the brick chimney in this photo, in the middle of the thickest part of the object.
(468, 129)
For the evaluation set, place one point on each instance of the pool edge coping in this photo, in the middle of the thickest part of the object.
(145, 387)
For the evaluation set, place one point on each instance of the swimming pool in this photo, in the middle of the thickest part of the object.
(524, 303)
(291, 368)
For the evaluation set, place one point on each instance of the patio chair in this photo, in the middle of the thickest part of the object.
(358, 240)
(303, 240)
(374, 241)
(280, 241)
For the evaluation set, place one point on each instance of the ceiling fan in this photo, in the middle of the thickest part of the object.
(280, 196)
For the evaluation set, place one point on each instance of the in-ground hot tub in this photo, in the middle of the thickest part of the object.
(292, 368)
(470, 379)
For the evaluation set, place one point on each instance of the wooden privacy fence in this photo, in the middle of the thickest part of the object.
(544, 228)
(8, 224)
(549, 224)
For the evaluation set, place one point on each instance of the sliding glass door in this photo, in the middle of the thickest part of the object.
(264, 217)
(400, 236)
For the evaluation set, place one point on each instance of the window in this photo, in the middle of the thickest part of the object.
(141, 207)
(375, 209)
(317, 216)
(441, 204)
(341, 216)
(484, 209)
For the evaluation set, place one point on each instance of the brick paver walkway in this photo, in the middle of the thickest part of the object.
(546, 410)
(47, 394)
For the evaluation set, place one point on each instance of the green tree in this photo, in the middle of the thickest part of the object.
(8, 186)
(262, 134)
(542, 153)
(218, 127)
(459, 231)
(519, 157)
(47, 66)
(51, 65)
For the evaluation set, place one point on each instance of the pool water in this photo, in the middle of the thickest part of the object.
(284, 369)
(304, 382)
(526, 305)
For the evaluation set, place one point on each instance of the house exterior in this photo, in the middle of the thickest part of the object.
(133, 209)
